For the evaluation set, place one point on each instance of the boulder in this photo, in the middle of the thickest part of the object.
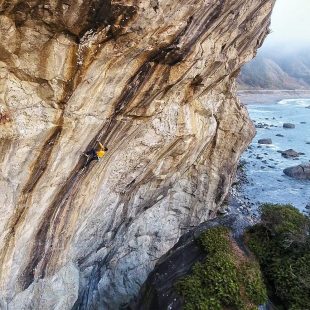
(265, 141)
(289, 153)
(300, 172)
(288, 126)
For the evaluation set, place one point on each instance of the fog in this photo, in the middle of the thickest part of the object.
(290, 24)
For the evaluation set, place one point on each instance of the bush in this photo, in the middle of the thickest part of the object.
(223, 280)
(281, 243)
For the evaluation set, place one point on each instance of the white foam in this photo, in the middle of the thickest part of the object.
(298, 102)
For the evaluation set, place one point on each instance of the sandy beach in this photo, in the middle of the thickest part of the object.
(271, 96)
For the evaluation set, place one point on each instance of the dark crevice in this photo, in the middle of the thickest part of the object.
(93, 15)
(91, 289)
(133, 85)
(220, 189)
(176, 51)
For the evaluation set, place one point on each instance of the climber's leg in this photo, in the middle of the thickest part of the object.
(90, 156)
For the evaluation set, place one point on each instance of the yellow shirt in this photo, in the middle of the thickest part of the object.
(100, 153)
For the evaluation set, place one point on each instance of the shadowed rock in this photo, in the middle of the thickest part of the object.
(288, 126)
(289, 153)
(300, 172)
(265, 141)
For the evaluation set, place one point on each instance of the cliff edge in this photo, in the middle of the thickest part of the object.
(152, 80)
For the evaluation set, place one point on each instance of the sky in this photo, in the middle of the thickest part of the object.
(290, 23)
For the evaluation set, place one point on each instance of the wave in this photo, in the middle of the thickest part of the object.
(298, 102)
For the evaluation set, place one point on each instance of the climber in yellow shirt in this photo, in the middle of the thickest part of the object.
(95, 154)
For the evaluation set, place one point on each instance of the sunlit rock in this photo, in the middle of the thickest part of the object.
(154, 81)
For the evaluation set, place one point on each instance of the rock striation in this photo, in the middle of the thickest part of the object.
(152, 80)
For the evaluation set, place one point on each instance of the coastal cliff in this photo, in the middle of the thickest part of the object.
(154, 81)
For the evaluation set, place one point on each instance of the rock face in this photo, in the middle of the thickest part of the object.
(158, 292)
(152, 80)
(300, 172)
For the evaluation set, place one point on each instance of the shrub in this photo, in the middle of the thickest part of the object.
(281, 243)
(223, 280)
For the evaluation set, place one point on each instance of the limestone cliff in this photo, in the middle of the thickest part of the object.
(154, 80)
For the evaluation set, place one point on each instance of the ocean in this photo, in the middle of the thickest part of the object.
(264, 164)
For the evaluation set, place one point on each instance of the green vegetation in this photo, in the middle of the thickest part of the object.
(226, 279)
(281, 243)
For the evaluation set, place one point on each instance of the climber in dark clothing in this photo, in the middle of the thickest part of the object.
(95, 154)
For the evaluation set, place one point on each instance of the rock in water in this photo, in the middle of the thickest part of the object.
(300, 172)
(265, 141)
(288, 126)
(152, 80)
(289, 153)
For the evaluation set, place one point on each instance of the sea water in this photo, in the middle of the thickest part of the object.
(264, 164)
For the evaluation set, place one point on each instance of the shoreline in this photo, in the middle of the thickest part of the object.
(259, 177)
(270, 96)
